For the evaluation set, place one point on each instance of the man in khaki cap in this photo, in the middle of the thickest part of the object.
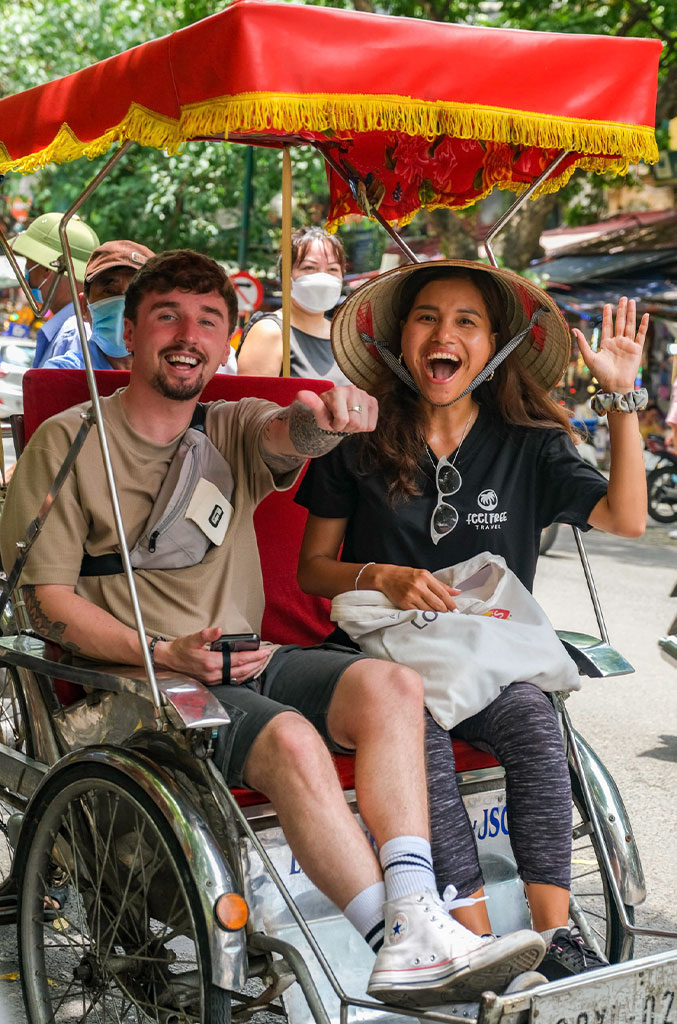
(106, 278)
(41, 245)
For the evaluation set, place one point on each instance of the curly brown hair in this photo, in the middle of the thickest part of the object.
(397, 444)
(186, 270)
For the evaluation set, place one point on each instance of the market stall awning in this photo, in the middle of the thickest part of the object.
(417, 113)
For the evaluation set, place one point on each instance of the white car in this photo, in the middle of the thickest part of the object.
(16, 356)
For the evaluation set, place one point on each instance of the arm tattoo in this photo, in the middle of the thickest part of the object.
(306, 436)
(42, 624)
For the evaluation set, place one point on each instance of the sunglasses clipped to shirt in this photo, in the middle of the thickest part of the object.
(444, 517)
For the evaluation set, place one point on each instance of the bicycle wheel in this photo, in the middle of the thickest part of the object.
(14, 734)
(662, 492)
(592, 905)
(131, 943)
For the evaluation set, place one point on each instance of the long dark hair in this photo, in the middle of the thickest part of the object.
(397, 444)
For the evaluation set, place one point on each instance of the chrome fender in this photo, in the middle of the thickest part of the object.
(208, 866)
(614, 825)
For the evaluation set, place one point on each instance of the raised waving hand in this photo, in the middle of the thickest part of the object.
(616, 362)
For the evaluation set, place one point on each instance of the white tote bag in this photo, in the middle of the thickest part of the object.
(501, 636)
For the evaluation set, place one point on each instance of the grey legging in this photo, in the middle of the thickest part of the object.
(520, 728)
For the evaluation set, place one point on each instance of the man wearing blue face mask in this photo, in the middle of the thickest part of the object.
(109, 270)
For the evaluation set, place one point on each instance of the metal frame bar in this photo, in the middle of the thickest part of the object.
(374, 213)
(98, 419)
(38, 310)
(518, 204)
(592, 589)
(627, 925)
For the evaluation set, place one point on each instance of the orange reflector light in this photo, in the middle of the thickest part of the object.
(231, 911)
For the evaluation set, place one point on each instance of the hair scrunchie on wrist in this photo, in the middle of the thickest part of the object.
(614, 401)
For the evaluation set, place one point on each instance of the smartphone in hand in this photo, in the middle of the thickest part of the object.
(237, 642)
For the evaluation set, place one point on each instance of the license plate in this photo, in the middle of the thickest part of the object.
(639, 992)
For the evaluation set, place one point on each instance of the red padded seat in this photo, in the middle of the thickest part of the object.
(290, 616)
(468, 758)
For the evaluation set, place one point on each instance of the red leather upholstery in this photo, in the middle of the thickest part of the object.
(290, 616)
(467, 759)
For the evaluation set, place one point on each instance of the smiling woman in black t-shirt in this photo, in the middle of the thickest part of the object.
(471, 454)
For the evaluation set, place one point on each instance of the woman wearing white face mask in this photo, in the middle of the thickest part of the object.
(318, 266)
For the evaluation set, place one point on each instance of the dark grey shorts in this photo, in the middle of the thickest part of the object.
(300, 679)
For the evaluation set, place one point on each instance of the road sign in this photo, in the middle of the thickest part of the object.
(249, 291)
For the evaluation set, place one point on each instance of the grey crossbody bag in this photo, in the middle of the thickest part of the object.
(190, 514)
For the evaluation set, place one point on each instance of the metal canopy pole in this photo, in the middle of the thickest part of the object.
(518, 204)
(285, 265)
(373, 212)
(98, 419)
(38, 310)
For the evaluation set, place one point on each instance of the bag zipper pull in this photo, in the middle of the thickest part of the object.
(152, 540)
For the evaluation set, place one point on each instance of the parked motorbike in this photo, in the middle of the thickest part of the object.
(661, 485)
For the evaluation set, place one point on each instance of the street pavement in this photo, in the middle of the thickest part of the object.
(631, 721)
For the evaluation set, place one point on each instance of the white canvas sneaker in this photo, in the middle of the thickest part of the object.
(427, 956)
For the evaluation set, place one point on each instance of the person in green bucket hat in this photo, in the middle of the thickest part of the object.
(41, 246)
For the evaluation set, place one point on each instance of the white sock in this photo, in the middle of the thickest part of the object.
(365, 913)
(548, 934)
(407, 866)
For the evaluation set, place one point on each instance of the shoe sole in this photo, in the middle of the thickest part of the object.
(483, 971)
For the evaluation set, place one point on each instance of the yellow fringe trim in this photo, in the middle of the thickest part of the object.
(338, 114)
(261, 112)
(140, 124)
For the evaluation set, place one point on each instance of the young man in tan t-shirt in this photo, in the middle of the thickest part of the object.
(180, 311)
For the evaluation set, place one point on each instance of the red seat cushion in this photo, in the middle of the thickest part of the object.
(468, 759)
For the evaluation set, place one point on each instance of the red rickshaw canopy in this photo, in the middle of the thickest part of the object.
(417, 113)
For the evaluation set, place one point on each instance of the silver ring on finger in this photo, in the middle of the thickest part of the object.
(233, 679)
(354, 408)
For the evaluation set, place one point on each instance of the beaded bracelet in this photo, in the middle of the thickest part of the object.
(614, 401)
(151, 648)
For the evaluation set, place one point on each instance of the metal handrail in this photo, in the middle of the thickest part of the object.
(97, 417)
(518, 204)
